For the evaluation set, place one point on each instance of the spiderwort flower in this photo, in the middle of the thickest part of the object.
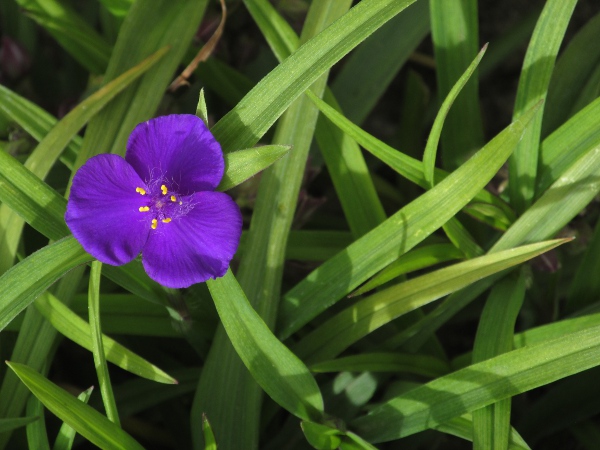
(159, 201)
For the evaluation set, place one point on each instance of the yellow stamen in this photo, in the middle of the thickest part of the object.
(154, 224)
(167, 220)
(173, 199)
(164, 189)
(140, 190)
(181, 203)
(144, 208)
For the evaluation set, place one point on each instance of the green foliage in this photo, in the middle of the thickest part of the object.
(374, 245)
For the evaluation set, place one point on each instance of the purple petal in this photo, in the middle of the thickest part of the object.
(179, 148)
(195, 247)
(103, 210)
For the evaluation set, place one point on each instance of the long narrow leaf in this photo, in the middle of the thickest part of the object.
(279, 372)
(84, 419)
(78, 330)
(398, 234)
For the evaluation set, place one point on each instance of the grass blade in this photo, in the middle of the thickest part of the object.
(79, 331)
(84, 419)
(49, 264)
(97, 344)
(533, 85)
(344, 272)
(279, 372)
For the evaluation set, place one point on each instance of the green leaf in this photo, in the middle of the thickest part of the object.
(398, 234)
(491, 425)
(274, 367)
(201, 110)
(580, 134)
(85, 420)
(419, 258)
(409, 168)
(573, 68)
(209, 438)
(36, 202)
(48, 264)
(575, 188)
(18, 422)
(66, 434)
(97, 339)
(533, 85)
(243, 126)
(37, 437)
(320, 436)
(338, 333)
(455, 35)
(35, 120)
(345, 163)
(481, 384)
(243, 164)
(462, 427)
(78, 330)
(73, 33)
(433, 140)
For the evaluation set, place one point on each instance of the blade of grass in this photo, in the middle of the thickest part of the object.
(243, 164)
(97, 345)
(85, 420)
(35, 120)
(410, 168)
(37, 436)
(79, 331)
(574, 66)
(457, 234)
(49, 264)
(244, 125)
(491, 425)
(455, 34)
(66, 433)
(424, 365)
(416, 259)
(345, 163)
(576, 187)
(533, 86)
(344, 272)
(73, 33)
(481, 384)
(278, 371)
(355, 322)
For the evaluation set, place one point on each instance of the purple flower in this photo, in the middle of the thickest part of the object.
(159, 201)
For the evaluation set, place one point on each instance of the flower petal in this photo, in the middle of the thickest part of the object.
(178, 147)
(103, 210)
(195, 247)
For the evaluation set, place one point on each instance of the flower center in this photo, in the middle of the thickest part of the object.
(163, 204)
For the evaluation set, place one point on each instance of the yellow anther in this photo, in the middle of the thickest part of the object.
(181, 203)
(144, 208)
(173, 199)
(167, 220)
(140, 190)
(154, 224)
(164, 189)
